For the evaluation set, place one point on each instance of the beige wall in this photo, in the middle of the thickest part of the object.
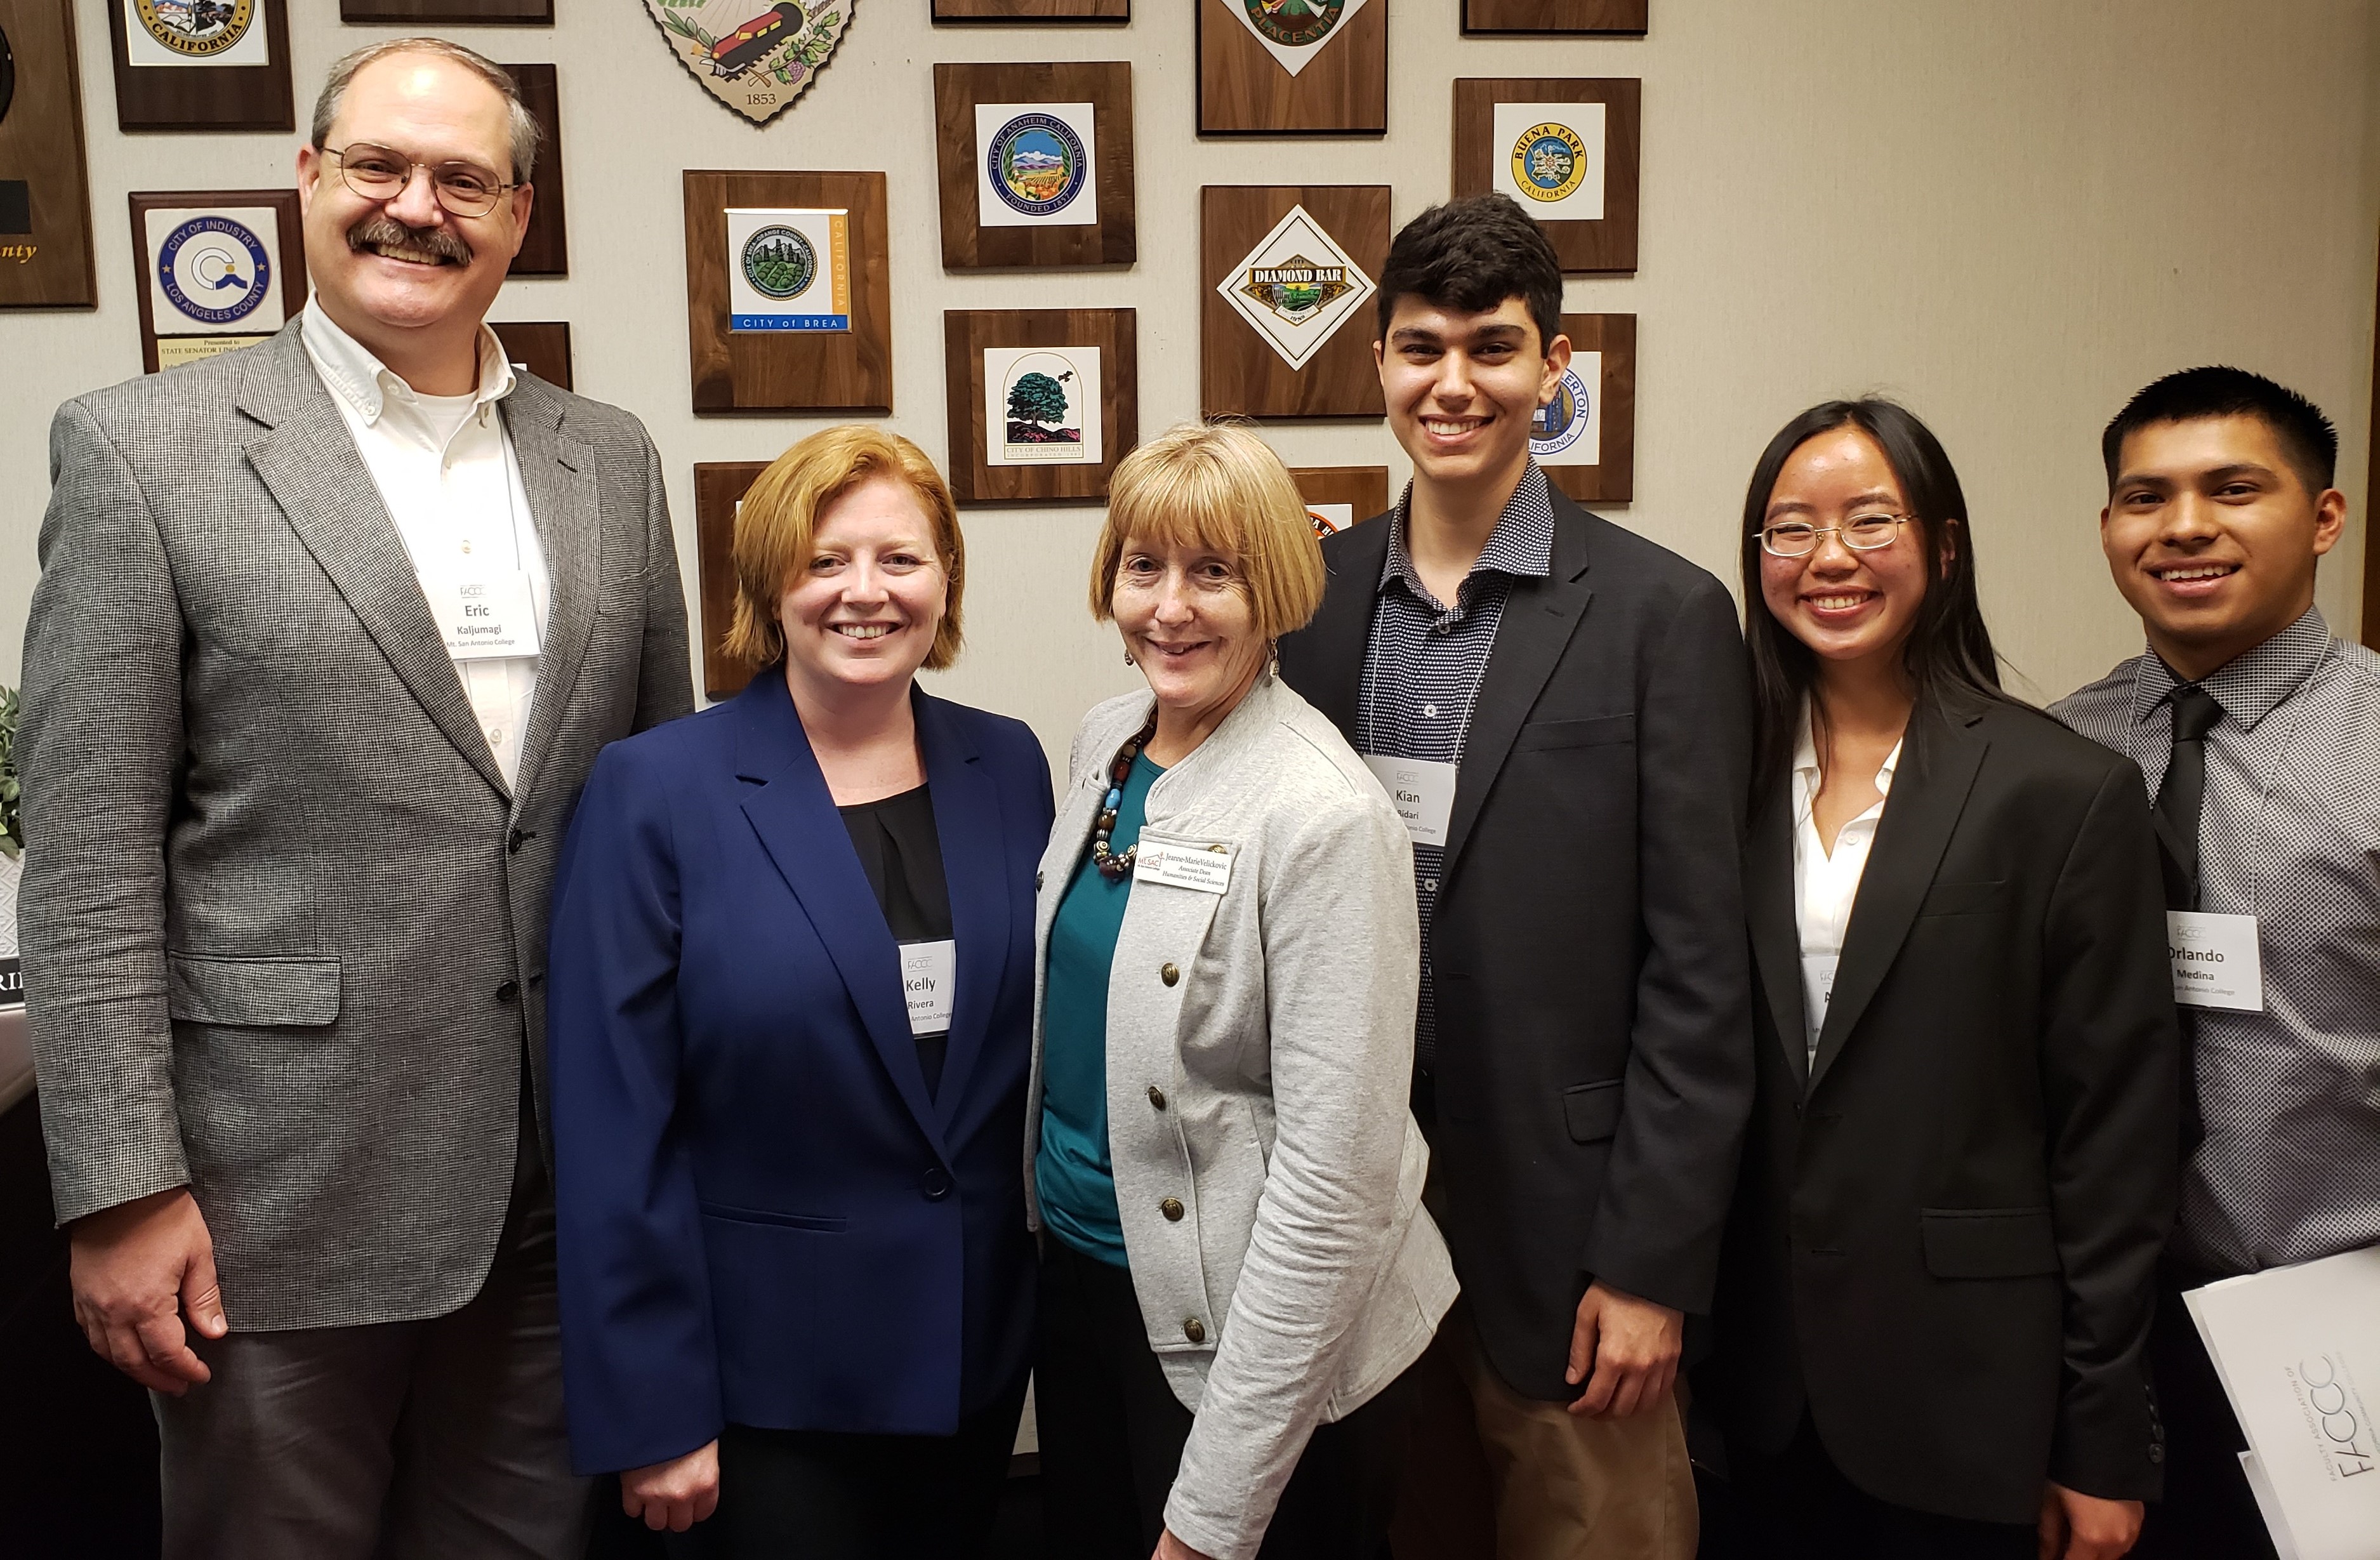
(2008, 214)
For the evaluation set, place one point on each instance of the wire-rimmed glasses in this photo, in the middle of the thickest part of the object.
(1862, 533)
(380, 173)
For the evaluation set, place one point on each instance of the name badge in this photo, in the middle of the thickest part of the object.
(1422, 790)
(483, 617)
(2216, 962)
(1207, 868)
(930, 978)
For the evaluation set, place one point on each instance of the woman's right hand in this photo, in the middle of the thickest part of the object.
(674, 1495)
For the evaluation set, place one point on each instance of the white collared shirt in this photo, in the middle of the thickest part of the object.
(1825, 885)
(445, 470)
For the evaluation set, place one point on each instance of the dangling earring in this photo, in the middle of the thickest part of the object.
(1128, 660)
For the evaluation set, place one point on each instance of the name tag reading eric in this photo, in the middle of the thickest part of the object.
(2216, 962)
(483, 617)
(929, 979)
(1422, 790)
(1206, 867)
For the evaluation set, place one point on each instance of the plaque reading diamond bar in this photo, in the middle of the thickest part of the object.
(1287, 326)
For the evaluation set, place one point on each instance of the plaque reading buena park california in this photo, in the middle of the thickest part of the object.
(754, 56)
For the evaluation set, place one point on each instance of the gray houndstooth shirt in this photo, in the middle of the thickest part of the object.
(2290, 834)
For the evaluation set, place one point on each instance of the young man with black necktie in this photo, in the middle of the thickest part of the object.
(2259, 735)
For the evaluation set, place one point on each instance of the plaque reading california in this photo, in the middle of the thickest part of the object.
(788, 270)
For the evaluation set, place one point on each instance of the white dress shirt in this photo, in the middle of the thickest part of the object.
(1825, 883)
(445, 469)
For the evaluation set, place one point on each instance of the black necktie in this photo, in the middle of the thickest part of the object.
(2183, 794)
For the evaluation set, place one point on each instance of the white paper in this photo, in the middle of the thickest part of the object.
(1036, 165)
(2215, 959)
(929, 979)
(2298, 1349)
(1294, 31)
(483, 617)
(1041, 406)
(1568, 431)
(1204, 867)
(1329, 518)
(1296, 287)
(1549, 158)
(170, 32)
(214, 270)
(788, 269)
(2268, 1506)
(1422, 790)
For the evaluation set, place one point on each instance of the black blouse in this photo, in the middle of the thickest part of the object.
(901, 854)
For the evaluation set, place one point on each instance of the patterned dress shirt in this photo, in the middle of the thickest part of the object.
(2290, 833)
(1423, 664)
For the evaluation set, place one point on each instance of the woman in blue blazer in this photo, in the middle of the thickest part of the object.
(797, 1286)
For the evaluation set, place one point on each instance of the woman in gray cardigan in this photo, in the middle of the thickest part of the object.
(1236, 1269)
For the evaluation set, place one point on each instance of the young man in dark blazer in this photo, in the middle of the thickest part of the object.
(1561, 711)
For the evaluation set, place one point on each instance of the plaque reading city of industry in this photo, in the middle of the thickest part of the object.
(218, 270)
(1035, 164)
(200, 65)
(1269, 67)
(1286, 325)
(45, 248)
(753, 55)
(788, 292)
(1566, 152)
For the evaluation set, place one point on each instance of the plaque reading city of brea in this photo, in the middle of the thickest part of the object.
(1567, 430)
(1292, 30)
(788, 269)
(1549, 158)
(214, 279)
(1036, 165)
(754, 56)
(173, 32)
(1296, 287)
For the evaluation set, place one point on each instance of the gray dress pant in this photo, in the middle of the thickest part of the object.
(391, 1440)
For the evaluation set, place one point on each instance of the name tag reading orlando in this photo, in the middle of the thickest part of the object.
(2216, 961)
(1206, 867)
(483, 617)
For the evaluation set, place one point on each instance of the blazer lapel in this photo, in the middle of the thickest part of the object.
(1918, 820)
(558, 475)
(1540, 617)
(975, 867)
(1325, 660)
(308, 459)
(794, 814)
(1776, 926)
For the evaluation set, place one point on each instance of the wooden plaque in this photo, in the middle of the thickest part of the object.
(1342, 87)
(449, 13)
(542, 347)
(257, 269)
(1239, 369)
(1610, 476)
(1607, 137)
(163, 81)
(1032, 11)
(773, 372)
(545, 251)
(45, 248)
(719, 486)
(970, 243)
(1340, 496)
(996, 353)
(1619, 18)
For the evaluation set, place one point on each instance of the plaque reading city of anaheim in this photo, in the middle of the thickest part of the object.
(1587, 437)
(1286, 325)
(1042, 402)
(45, 248)
(1035, 164)
(219, 270)
(1267, 67)
(789, 291)
(200, 65)
(755, 56)
(1566, 150)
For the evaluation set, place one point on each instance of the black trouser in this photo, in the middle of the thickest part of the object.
(1112, 1431)
(1798, 1506)
(810, 1494)
(2208, 1512)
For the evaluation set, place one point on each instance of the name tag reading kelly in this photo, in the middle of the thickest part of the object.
(1207, 868)
(483, 617)
(1422, 790)
(929, 974)
(2215, 960)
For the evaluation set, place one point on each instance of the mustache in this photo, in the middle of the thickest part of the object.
(439, 243)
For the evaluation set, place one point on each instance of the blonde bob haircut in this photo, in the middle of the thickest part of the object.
(778, 517)
(1216, 486)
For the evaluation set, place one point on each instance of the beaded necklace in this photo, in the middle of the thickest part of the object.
(1114, 867)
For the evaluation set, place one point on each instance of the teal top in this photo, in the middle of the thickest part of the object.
(1074, 1176)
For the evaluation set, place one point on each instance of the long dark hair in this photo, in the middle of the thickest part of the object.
(1948, 654)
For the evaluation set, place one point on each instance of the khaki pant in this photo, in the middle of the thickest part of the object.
(1493, 1472)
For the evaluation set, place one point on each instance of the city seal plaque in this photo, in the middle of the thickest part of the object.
(196, 29)
(1293, 31)
(1549, 162)
(779, 262)
(1568, 430)
(215, 271)
(1296, 287)
(752, 55)
(1036, 165)
(1549, 158)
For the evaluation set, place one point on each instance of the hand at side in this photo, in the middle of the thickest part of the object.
(140, 1272)
(2079, 1527)
(1630, 1345)
(674, 1495)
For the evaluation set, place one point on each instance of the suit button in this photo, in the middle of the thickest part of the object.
(1194, 1330)
(2156, 1453)
(509, 991)
(513, 841)
(1037, 880)
(937, 1184)
(1171, 1209)
(1156, 1096)
(1171, 974)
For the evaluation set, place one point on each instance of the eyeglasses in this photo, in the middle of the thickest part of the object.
(1862, 533)
(377, 173)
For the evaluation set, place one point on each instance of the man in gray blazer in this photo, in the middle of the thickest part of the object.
(328, 633)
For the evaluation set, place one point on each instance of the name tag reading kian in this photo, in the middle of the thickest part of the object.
(1206, 867)
(483, 617)
(1422, 790)
(929, 979)
(2216, 962)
